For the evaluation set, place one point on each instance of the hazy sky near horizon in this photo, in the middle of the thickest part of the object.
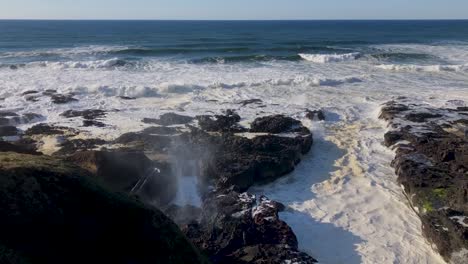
(234, 9)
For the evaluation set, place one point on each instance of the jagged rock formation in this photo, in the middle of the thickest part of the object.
(432, 165)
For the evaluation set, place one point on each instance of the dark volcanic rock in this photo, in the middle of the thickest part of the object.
(221, 123)
(18, 147)
(390, 109)
(49, 92)
(31, 98)
(161, 130)
(71, 146)
(239, 228)
(169, 119)
(46, 129)
(145, 141)
(241, 162)
(7, 114)
(18, 120)
(226, 159)
(86, 114)
(421, 117)
(30, 92)
(6, 131)
(4, 121)
(316, 114)
(129, 172)
(90, 116)
(90, 123)
(53, 212)
(275, 124)
(261, 254)
(250, 101)
(432, 165)
(127, 98)
(62, 98)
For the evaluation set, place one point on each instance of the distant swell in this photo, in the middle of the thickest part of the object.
(327, 58)
(399, 56)
(424, 68)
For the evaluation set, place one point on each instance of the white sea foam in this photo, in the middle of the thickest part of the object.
(424, 68)
(344, 194)
(326, 58)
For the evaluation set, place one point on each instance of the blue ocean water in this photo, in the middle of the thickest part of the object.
(212, 41)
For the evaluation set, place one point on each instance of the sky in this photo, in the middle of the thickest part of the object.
(233, 9)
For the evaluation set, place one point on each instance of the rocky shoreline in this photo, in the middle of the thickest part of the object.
(220, 157)
(141, 171)
(431, 163)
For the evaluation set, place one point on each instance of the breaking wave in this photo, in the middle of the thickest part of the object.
(327, 58)
(184, 88)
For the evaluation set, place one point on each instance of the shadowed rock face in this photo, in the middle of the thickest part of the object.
(52, 212)
(432, 165)
(126, 172)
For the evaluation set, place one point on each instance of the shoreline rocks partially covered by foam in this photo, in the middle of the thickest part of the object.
(431, 163)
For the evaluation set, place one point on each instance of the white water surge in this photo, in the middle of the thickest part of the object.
(343, 200)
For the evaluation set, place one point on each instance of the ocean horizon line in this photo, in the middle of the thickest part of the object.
(231, 20)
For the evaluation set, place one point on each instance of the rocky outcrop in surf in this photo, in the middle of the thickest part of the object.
(242, 228)
(432, 166)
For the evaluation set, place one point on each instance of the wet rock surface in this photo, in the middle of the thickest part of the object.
(62, 98)
(241, 228)
(432, 165)
(315, 115)
(221, 123)
(48, 129)
(91, 117)
(169, 119)
(275, 124)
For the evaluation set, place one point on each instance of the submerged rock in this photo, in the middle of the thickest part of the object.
(91, 116)
(48, 129)
(169, 119)
(53, 212)
(86, 114)
(30, 92)
(432, 165)
(251, 101)
(62, 98)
